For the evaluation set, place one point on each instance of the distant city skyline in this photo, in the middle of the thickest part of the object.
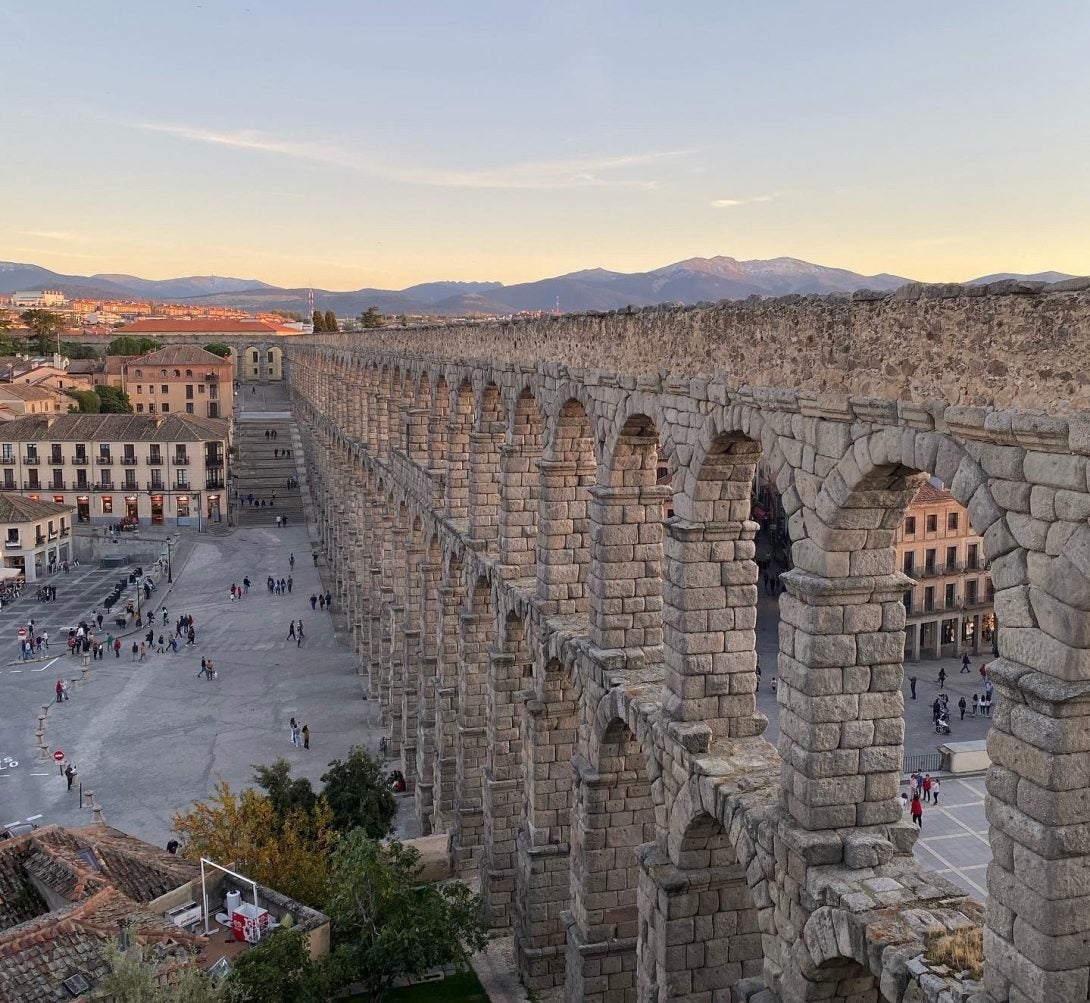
(366, 144)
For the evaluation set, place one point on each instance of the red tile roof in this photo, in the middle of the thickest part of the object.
(199, 327)
(931, 495)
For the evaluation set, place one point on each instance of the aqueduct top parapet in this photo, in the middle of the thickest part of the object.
(1006, 344)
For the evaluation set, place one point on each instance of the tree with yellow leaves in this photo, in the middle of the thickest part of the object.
(289, 853)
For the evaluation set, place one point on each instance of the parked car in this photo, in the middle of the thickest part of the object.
(16, 830)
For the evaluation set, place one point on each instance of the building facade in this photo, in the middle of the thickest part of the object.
(180, 379)
(20, 399)
(37, 535)
(951, 607)
(133, 470)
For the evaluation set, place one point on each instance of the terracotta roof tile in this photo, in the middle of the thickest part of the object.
(174, 427)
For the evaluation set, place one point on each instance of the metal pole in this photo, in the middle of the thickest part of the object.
(170, 570)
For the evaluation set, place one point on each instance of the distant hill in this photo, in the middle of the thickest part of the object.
(693, 280)
(1036, 277)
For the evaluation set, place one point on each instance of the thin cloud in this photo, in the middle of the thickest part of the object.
(573, 172)
(65, 235)
(733, 203)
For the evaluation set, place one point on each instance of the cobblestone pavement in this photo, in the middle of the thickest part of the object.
(954, 840)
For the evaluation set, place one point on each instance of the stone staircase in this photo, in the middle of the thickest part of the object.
(264, 475)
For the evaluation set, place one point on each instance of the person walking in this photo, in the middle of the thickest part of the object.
(314, 554)
(935, 791)
(912, 686)
(204, 668)
(942, 678)
(961, 707)
(210, 670)
(70, 774)
(289, 583)
(143, 652)
(294, 733)
(306, 736)
(164, 612)
(965, 662)
(916, 811)
(329, 602)
(291, 561)
(291, 631)
(60, 691)
(927, 786)
(313, 601)
(321, 601)
(976, 704)
(135, 651)
(117, 647)
(298, 633)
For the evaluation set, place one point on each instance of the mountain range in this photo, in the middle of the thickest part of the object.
(690, 281)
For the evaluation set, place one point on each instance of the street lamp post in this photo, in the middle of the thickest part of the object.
(170, 570)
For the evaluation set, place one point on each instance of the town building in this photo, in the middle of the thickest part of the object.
(67, 893)
(20, 399)
(180, 379)
(254, 349)
(38, 298)
(37, 535)
(951, 608)
(157, 470)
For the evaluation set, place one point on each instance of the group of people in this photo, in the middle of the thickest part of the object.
(281, 454)
(323, 601)
(300, 737)
(922, 788)
(279, 586)
(46, 593)
(255, 501)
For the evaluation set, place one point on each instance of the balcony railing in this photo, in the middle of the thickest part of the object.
(104, 459)
(156, 486)
(31, 486)
(81, 485)
(32, 458)
(213, 461)
(179, 486)
(213, 482)
(56, 460)
(39, 541)
(57, 486)
(155, 460)
(180, 460)
(127, 460)
(107, 486)
(13, 544)
(65, 530)
(80, 461)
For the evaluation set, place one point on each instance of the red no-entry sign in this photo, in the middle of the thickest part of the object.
(58, 756)
(22, 632)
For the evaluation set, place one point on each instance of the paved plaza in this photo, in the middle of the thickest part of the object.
(151, 738)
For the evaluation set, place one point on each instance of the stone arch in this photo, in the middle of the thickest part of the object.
(510, 670)
(550, 738)
(451, 598)
(475, 640)
(626, 513)
(437, 423)
(520, 485)
(710, 592)
(613, 820)
(567, 475)
(459, 431)
(835, 960)
(430, 571)
(697, 893)
(485, 446)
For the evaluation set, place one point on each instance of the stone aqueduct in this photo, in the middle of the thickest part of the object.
(562, 639)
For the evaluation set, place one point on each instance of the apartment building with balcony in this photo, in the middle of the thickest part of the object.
(951, 608)
(36, 535)
(128, 469)
(180, 379)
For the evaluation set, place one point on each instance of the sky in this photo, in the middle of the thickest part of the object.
(352, 143)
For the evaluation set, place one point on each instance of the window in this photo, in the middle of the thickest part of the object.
(13, 535)
(166, 408)
(157, 478)
(177, 373)
(189, 407)
(7, 453)
(189, 374)
(200, 388)
(910, 526)
(139, 390)
(971, 555)
(952, 520)
(933, 522)
(151, 388)
(971, 588)
(107, 505)
(163, 375)
(909, 562)
(189, 391)
(951, 558)
(9, 479)
(951, 595)
(139, 408)
(270, 355)
(140, 374)
(929, 598)
(929, 559)
(253, 356)
(183, 478)
(166, 389)
(949, 631)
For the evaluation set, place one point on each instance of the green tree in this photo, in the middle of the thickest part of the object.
(134, 978)
(293, 315)
(74, 350)
(218, 348)
(371, 318)
(114, 400)
(279, 970)
(388, 924)
(358, 795)
(89, 402)
(46, 326)
(286, 793)
(6, 322)
(127, 344)
(330, 321)
(318, 321)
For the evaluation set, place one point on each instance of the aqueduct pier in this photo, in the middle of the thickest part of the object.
(541, 534)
